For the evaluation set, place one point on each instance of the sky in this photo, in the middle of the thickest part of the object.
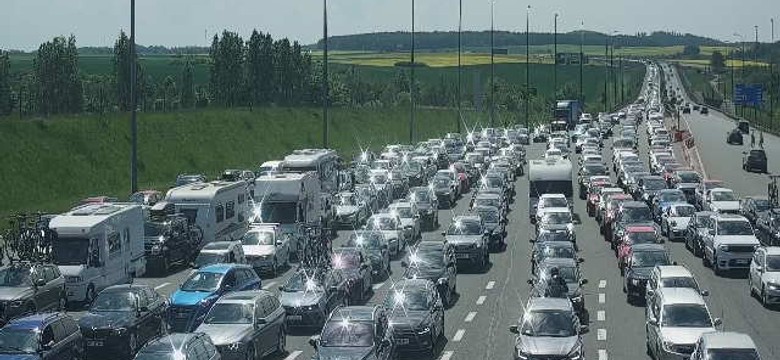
(24, 24)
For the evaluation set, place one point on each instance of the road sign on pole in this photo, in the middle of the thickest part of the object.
(748, 94)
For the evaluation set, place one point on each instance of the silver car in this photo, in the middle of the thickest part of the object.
(725, 345)
(29, 288)
(410, 219)
(548, 329)
(675, 319)
(391, 228)
(246, 325)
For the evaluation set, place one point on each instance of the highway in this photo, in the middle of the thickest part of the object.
(488, 303)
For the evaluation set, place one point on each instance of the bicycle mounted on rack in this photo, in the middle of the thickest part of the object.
(28, 238)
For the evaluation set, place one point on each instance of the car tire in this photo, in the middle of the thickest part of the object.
(764, 298)
(62, 304)
(716, 267)
(250, 352)
(275, 267)
(89, 297)
(132, 343)
(281, 343)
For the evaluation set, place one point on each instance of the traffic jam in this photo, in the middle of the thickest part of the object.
(303, 245)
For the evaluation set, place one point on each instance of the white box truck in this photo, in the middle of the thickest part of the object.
(98, 246)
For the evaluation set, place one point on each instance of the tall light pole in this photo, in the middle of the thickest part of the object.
(460, 63)
(742, 67)
(527, 65)
(555, 56)
(606, 72)
(612, 67)
(772, 78)
(492, 67)
(325, 79)
(133, 106)
(582, 58)
(411, 86)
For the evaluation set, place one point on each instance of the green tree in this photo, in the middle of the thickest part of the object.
(717, 62)
(59, 85)
(122, 69)
(691, 50)
(5, 83)
(227, 69)
(187, 89)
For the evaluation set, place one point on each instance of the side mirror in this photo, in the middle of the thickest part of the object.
(580, 260)
(404, 263)
(652, 321)
(514, 329)
(531, 241)
(651, 292)
(47, 346)
(40, 282)
(584, 329)
(759, 268)
(143, 309)
(281, 287)
(531, 281)
(333, 289)
(443, 233)
(674, 262)
(227, 287)
(260, 321)
(386, 342)
(705, 293)
(314, 341)
(279, 242)
(718, 322)
(583, 281)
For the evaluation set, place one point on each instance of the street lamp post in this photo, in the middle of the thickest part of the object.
(555, 56)
(606, 73)
(492, 67)
(527, 65)
(325, 84)
(460, 64)
(582, 58)
(412, 86)
(133, 106)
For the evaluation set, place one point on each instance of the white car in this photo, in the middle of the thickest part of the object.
(764, 276)
(674, 321)
(722, 200)
(725, 345)
(675, 218)
(410, 219)
(549, 201)
(671, 276)
(266, 248)
(391, 228)
(729, 243)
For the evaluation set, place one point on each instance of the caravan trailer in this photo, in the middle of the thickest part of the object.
(219, 208)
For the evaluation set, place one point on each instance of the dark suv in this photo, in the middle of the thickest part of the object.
(754, 160)
(47, 336)
(169, 239)
(355, 332)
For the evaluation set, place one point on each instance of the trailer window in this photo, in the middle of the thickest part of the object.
(114, 244)
(230, 209)
(220, 210)
(241, 198)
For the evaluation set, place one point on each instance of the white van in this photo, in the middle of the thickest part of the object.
(219, 208)
(97, 246)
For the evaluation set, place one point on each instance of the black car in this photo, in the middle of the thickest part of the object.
(310, 295)
(376, 247)
(734, 137)
(644, 258)
(355, 266)
(355, 333)
(744, 126)
(753, 207)
(754, 160)
(704, 110)
(768, 228)
(121, 319)
(495, 222)
(180, 346)
(445, 190)
(168, 240)
(435, 261)
(417, 314)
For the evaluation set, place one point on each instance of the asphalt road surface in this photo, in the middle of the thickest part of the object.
(488, 303)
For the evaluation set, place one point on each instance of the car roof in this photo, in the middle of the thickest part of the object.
(461, 218)
(556, 210)
(674, 271)
(730, 217)
(681, 296)
(169, 343)
(357, 313)
(633, 204)
(33, 321)
(245, 295)
(559, 262)
(727, 340)
(222, 268)
(218, 245)
(648, 247)
(550, 196)
(133, 287)
(772, 250)
(548, 303)
(412, 284)
(639, 228)
(557, 243)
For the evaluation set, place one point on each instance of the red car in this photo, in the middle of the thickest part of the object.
(463, 177)
(634, 235)
(594, 193)
(605, 222)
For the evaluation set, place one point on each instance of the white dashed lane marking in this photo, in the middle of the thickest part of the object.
(470, 316)
(601, 334)
(269, 285)
(481, 300)
(603, 354)
(602, 284)
(377, 286)
(602, 298)
(601, 315)
(293, 355)
(459, 335)
(158, 287)
(490, 285)
(447, 355)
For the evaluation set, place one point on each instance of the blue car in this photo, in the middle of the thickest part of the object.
(42, 336)
(190, 303)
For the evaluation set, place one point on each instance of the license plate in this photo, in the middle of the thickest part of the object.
(403, 341)
(182, 315)
(742, 261)
(295, 317)
(94, 343)
(463, 256)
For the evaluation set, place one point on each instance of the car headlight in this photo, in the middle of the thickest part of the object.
(17, 303)
(156, 249)
(772, 286)
(478, 245)
(120, 331)
(424, 330)
(570, 227)
(667, 344)
(635, 282)
(723, 248)
(236, 346)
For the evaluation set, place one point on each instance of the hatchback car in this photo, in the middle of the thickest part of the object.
(671, 276)
(644, 258)
(435, 261)
(469, 238)
(764, 275)
(416, 314)
(309, 296)
(26, 288)
(355, 333)
(355, 266)
(220, 252)
(549, 328)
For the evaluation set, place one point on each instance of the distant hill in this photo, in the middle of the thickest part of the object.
(399, 41)
(142, 50)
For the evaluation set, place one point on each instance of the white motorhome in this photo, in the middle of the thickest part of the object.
(270, 168)
(219, 208)
(291, 200)
(97, 246)
(552, 175)
(323, 162)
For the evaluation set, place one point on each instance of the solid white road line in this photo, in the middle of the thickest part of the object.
(470, 316)
(602, 298)
(269, 285)
(602, 284)
(481, 300)
(158, 287)
(458, 335)
(377, 286)
(490, 285)
(447, 355)
(293, 355)
(601, 315)
(603, 354)
(601, 334)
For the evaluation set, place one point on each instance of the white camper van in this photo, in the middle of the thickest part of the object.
(219, 208)
(98, 246)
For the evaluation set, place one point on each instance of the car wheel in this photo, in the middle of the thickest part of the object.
(132, 343)
(716, 267)
(250, 352)
(62, 303)
(90, 295)
(281, 343)
(688, 244)
(764, 298)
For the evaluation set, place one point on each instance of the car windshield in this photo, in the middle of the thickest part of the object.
(404, 212)
(671, 197)
(702, 221)
(381, 223)
(550, 323)
(379, 179)
(431, 259)
(734, 228)
(642, 259)
(653, 184)
(282, 213)
(637, 214)
(300, 282)
(723, 196)
(258, 238)
(773, 263)
(595, 169)
(346, 260)
(679, 282)
(557, 218)
(487, 202)
(347, 200)
(732, 354)
(15, 277)
(17, 341)
(108, 301)
(464, 228)
(371, 241)
(761, 204)
(642, 237)
(398, 301)
(686, 315)
(202, 281)
(441, 182)
(558, 252)
(689, 177)
(489, 216)
(553, 236)
(228, 313)
(554, 202)
(208, 258)
(345, 333)
(421, 196)
(684, 211)
(71, 251)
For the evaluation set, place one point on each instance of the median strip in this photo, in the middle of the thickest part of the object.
(602, 298)
(601, 315)
(603, 354)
